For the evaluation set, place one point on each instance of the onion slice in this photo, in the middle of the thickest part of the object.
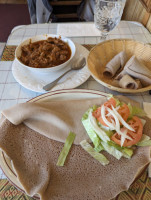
(117, 123)
(123, 138)
(122, 120)
(97, 129)
(117, 126)
(109, 114)
(110, 125)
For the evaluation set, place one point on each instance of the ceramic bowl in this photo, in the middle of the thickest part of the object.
(39, 38)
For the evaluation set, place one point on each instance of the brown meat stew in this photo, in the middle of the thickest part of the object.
(45, 53)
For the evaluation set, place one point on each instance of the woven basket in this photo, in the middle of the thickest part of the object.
(103, 52)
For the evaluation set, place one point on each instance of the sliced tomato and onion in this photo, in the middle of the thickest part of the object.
(123, 111)
(135, 123)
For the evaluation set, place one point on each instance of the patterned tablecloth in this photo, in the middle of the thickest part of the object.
(12, 93)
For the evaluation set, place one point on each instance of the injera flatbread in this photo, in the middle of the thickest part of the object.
(35, 156)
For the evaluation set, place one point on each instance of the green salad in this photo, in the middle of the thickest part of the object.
(114, 127)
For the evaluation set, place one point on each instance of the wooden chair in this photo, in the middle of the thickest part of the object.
(138, 10)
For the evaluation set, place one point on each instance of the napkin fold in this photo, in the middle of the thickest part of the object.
(79, 29)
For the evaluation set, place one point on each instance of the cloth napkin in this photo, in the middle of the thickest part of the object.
(82, 29)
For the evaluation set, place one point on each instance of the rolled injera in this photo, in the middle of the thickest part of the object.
(127, 82)
(136, 69)
(114, 65)
(33, 135)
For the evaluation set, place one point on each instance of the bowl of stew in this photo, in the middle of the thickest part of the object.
(45, 53)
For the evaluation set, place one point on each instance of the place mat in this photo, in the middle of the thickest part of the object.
(9, 52)
(77, 29)
(8, 191)
(140, 190)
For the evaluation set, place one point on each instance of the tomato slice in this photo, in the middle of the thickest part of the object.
(97, 113)
(111, 101)
(124, 111)
(137, 125)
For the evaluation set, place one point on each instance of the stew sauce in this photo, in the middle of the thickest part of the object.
(45, 53)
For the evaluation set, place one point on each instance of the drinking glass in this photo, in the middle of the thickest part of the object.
(107, 15)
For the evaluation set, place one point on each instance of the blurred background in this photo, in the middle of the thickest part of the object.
(16, 12)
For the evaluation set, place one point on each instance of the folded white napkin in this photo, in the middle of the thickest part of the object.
(79, 29)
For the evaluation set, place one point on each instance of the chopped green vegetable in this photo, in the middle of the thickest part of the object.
(118, 147)
(66, 148)
(145, 141)
(85, 116)
(127, 152)
(135, 111)
(98, 130)
(112, 150)
(91, 133)
(107, 131)
(98, 156)
(99, 148)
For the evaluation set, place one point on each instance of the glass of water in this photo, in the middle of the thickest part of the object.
(107, 15)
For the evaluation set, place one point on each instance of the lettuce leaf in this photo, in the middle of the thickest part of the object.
(145, 141)
(90, 131)
(92, 134)
(112, 150)
(136, 111)
(86, 114)
(98, 130)
(127, 152)
(98, 156)
(66, 148)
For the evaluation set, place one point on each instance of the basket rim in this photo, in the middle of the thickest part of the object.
(119, 39)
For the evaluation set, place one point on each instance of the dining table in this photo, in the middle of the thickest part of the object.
(12, 92)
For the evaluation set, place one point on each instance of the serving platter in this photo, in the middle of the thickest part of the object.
(36, 81)
(58, 95)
